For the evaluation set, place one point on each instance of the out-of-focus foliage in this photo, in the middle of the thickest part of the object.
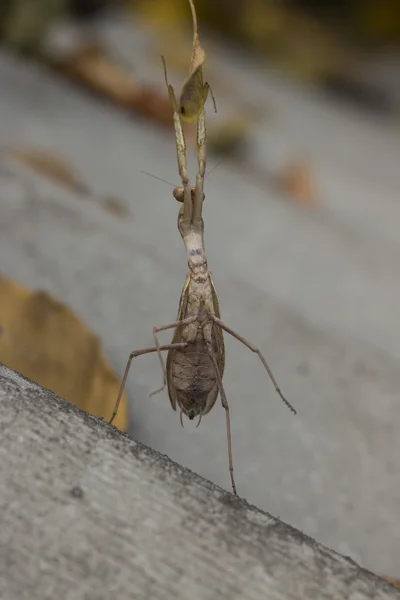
(371, 21)
(252, 20)
(267, 25)
(263, 24)
(329, 43)
(23, 23)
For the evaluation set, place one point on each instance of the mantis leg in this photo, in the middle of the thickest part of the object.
(181, 153)
(257, 351)
(207, 89)
(132, 355)
(156, 330)
(201, 159)
(225, 404)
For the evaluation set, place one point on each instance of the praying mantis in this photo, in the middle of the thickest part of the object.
(196, 356)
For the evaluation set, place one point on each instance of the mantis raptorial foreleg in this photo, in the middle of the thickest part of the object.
(253, 348)
(133, 355)
(181, 153)
(201, 159)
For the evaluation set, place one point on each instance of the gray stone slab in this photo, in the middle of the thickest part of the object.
(87, 513)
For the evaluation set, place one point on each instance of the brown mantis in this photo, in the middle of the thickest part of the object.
(196, 355)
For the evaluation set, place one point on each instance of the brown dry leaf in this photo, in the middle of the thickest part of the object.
(296, 180)
(115, 206)
(45, 341)
(194, 91)
(45, 162)
(230, 137)
(395, 582)
(198, 54)
(90, 66)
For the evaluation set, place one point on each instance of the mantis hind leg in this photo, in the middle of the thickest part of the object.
(261, 357)
(133, 355)
(224, 401)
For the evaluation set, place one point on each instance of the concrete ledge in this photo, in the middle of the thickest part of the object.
(88, 513)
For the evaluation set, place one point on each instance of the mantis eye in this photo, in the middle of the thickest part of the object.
(182, 110)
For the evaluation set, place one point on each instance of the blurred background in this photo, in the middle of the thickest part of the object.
(301, 232)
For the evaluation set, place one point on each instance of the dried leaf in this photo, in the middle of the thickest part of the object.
(50, 165)
(194, 91)
(395, 582)
(45, 341)
(90, 66)
(230, 138)
(114, 205)
(198, 54)
(296, 180)
(46, 163)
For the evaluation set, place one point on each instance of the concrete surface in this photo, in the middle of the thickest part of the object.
(87, 513)
(316, 290)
